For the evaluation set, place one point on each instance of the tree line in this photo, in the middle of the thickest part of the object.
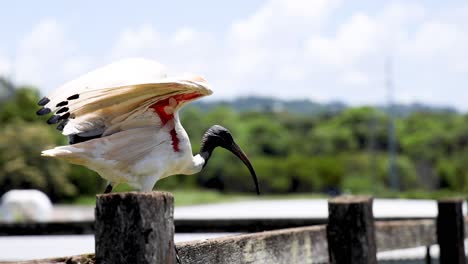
(336, 152)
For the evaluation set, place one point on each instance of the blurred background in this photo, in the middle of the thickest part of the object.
(326, 97)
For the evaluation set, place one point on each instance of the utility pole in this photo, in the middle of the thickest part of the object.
(392, 172)
(371, 150)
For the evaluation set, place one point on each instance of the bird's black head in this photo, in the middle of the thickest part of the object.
(218, 136)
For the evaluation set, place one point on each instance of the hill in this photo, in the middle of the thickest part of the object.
(308, 107)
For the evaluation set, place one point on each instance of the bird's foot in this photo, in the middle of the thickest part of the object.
(108, 188)
(177, 255)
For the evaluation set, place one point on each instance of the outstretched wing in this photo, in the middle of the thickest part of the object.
(116, 97)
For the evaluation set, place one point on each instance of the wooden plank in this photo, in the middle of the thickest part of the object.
(243, 225)
(47, 228)
(135, 227)
(181, 226)
(294, 245)
(256, 225)
(390, 235)
(350, 230)
(450, 231)
(80, 259)
(404, 234)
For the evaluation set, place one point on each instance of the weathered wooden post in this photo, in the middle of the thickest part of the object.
(428, 258)
(350, 230)
(450, 231)
(135, 228)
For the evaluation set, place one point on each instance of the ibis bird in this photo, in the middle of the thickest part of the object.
(122, 121)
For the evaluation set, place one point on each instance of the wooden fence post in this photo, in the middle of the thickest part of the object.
(450, 231)
(350, 230)
(135, 228)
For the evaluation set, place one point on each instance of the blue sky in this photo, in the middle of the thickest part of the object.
(317, 49)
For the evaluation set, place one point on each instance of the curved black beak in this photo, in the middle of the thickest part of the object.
(236, 150)
(218, 136)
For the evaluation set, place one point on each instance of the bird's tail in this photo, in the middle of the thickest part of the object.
(69, 153)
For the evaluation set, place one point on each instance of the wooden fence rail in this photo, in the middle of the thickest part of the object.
(181, 225)
(351, 236)
(404, 234)
(293, 245)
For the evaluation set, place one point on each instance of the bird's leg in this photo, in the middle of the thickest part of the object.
(108, 188)
(177, 255)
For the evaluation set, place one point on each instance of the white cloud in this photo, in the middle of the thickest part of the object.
(185, 50)
(185, 35)
(299, 48)
(362, 42)
(355, 78)
(398, 14)
(192, 42)
(5, 67)
(76, 65)
(440, 43)
(431, 39)
(283, 49)
(272, 35)
(142, 41)
(355, 39)
(45, 57)
(292, 73)
(39, 50)
(422, 46)
(277, 19)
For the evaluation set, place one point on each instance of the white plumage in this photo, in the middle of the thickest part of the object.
(122, 121)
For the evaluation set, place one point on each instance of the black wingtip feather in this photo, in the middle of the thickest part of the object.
(73, 97)
(43, 101)
(53, 119)
(62, 125)
(63, 103)
(43, 111)
(62, 110)
(65, 116)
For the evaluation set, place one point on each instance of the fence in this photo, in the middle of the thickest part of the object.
(139, 228)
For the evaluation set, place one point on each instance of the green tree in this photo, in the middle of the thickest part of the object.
(21, 165)
(22, 106)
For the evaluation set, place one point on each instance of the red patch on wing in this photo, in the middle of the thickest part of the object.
(165, 117)
(175, 140)
(159, 109)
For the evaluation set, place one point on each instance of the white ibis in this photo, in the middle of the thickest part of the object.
(122, 121)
